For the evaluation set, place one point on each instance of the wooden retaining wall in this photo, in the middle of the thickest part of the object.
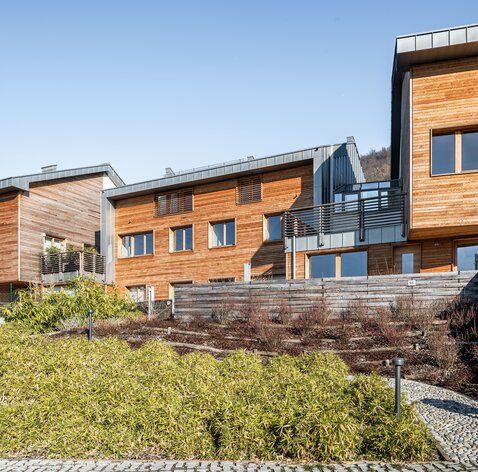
(201, 300)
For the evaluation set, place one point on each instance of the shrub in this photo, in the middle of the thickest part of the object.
(73, 398)
(443, 349)
(43, 310)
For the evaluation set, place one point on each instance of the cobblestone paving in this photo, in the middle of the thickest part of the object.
(190, 466)
(451, 418)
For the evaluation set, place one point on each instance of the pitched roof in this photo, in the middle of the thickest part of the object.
(223, 170)
(23, 182)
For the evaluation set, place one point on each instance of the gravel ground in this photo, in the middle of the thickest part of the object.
(452, 419)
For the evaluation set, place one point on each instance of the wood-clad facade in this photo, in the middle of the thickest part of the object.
(64, 205)
(212, 202)
(444, 98)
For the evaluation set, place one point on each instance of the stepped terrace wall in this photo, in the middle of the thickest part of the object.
(203, 300)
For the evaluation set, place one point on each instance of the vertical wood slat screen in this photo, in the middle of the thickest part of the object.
(249, 189)
(174, 202)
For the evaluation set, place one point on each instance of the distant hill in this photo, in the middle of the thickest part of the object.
(376, 164)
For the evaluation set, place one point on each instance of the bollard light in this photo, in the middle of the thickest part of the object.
(397, 362)
(90, 324)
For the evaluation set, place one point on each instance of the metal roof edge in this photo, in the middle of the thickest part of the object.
(215, 171)
(23, 182)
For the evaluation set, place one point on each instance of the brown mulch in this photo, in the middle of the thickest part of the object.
(363, 348)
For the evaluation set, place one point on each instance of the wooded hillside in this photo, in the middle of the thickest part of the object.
(376, 164)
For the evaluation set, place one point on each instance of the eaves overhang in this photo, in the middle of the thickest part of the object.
(424, 48)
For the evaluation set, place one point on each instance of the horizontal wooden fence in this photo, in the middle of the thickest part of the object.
(202, 300)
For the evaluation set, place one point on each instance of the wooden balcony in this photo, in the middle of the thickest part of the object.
(61, 267)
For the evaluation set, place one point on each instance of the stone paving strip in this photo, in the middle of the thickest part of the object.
(451, 418)
(196, 466)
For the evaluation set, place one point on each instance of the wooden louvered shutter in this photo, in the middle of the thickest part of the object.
(249, 190)
(174, 202)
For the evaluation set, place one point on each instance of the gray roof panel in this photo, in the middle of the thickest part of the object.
(23, 182)
(214, 172)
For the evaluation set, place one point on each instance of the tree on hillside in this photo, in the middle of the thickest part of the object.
(376, 164)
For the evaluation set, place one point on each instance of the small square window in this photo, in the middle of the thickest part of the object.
(467, 257)
(140, 244)
(322, 266)
(137, 294)
(223, 233)
(183, 238)
(469, 151)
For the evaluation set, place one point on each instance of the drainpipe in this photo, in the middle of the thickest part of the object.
(293, 258)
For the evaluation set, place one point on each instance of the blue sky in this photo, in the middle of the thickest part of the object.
(149, 84)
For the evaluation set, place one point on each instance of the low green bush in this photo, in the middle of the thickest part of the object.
(73, 398)
(43, 310)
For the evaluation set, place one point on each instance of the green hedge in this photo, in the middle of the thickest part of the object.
(71, 398)
(43, 310)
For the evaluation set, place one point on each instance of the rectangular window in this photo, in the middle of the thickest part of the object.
(273, 228)
(467, 257)
(172, 203)
(223, 234)
(353, 264)
(322, 266)
(443, 154)
(249, 190)
(221, 280)
(346, 264)
(137, 294)
(52, 244)
(183, 238)
(140, 244)
(469, 151)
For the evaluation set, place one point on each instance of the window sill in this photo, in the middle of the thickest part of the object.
(225, 246)
(136, 257)
(182, 251)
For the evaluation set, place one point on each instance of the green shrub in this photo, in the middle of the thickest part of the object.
(43, 310)
(101, 399)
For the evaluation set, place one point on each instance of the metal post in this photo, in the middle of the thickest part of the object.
(361, 206)
(397, 362)
(90, 324)
(293, 258)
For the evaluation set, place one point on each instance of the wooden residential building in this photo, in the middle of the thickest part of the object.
(49, 226)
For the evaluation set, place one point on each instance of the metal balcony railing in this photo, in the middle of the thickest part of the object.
(65, 265)
(355, 215)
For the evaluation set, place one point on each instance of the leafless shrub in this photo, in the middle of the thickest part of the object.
(224, 311)
(284, 313)
(417, 314)
(463, 322)
(390, 331)
(359, 312)
(442, 349)
(316, 316)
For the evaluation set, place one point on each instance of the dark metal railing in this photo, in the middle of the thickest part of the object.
(73, 261)
(355, 215)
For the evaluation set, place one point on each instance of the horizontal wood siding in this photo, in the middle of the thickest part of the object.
(281, 190)
(66, 208)
(339, 294)
(9, 237)
(444, 95)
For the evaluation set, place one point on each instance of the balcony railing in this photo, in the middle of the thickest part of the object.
(356, 215)
(63, 266)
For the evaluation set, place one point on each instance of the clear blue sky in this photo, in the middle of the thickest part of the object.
(148, 84)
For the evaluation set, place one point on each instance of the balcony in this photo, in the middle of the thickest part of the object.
(373, 220)
(62, 267)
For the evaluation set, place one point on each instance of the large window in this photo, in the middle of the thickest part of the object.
(140, 244)
(223, 234)
(249, 189)
(454, 152)
(183, 238)
(173, 203)
(347, 264)
(467, 257)
(273, 228)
